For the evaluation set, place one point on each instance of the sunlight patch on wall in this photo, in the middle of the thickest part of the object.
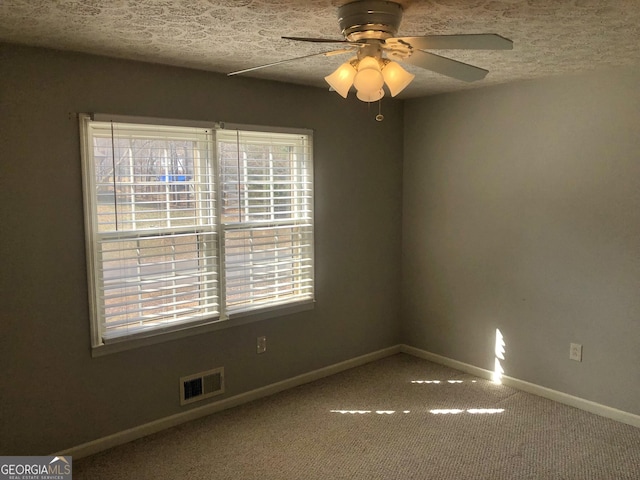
(499, 352)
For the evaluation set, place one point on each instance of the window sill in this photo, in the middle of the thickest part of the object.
(236, 319)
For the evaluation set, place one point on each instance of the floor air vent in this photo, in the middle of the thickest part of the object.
(199, 386)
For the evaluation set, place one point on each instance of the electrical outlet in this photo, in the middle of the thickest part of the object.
(575, 352)
(262, 344)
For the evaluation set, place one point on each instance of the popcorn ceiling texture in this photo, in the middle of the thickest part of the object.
(550, 37)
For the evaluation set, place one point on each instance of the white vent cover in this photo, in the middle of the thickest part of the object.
(199, 386)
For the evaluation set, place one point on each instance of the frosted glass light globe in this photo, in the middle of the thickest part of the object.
(369, 79)
(396, 78)
(342, 79)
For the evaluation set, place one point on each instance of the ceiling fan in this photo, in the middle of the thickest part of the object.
(369, 28)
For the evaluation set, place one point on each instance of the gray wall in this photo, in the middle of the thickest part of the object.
(53, 395)
(522, 212)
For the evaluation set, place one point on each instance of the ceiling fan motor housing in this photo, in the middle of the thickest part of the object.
(369, 19)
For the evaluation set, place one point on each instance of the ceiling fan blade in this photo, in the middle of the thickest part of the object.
(446, 66)
(316, 40)
(325, 54)
(481, 41)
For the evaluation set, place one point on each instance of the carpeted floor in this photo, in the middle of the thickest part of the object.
(389, 419)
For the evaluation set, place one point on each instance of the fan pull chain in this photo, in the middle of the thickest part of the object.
(379, 117)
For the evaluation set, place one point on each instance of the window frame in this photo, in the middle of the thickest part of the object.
(211, 322)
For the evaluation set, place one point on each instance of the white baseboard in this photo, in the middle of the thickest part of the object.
(140, 431)
(560, 397)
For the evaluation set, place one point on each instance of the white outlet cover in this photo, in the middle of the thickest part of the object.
(575, 352)
(262, 344)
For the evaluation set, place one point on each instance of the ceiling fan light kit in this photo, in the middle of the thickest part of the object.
(369, 28)
(368, 76)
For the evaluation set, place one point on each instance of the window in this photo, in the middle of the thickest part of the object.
(189, 225)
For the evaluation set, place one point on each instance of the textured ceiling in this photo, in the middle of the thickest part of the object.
(551, 37)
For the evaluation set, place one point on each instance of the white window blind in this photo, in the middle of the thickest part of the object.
(177, 237)
(151, 209)
(267, 217)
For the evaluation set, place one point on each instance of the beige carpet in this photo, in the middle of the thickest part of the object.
(389, 419)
